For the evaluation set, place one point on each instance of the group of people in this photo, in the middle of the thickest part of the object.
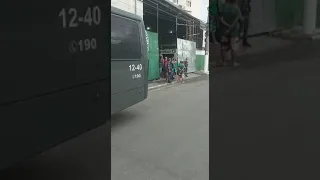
(172, 69)
(229, 21)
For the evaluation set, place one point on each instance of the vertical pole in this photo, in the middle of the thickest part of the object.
(135, 7)
(207, 48)
(193, 32)
(158, 18)
(176, 53)
(310, 16)
(177, 26)
(187, 29)
(206, 57)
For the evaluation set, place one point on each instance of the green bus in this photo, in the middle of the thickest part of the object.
(129, 60)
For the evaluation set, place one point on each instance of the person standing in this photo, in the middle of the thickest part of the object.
(181, 68)
(225, 15)
(161, 66)
(164, 68)
(229, 29)
(170, 70)
(175, 67)
(245, 7)
(186, 67)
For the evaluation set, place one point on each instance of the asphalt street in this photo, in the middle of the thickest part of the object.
(264, 116)
(165, 137)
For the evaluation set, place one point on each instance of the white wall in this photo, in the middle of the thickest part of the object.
(195, 8)
(187, 7)
(204, 39)
(140, 8)
(132, 6)
(200, 52)
(187, 49)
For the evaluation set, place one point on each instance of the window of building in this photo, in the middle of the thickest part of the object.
(125, 39)
(189, 3)
(175, 1)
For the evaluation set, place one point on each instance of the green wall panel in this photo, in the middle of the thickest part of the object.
(318, 15)
(153, 56)
(289, 13)
(200, 62)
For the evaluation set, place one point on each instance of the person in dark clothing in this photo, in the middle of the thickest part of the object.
(226, 15)
(165, 68)
(186, 67)
(161, 66)
(169, 70)
(181, 69)
(245, 7)
(228, 31)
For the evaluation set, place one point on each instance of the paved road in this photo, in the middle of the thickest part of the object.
(86, 157)
(265, 116)
(165, 137)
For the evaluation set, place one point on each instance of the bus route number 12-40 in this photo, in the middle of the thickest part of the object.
(72, 19)
(133, 67)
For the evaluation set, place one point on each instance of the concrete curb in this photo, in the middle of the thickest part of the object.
(173, 83)
(158, 86)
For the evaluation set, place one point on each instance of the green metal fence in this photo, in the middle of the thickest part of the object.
(289, 14)
(153, 56)
(200, 62)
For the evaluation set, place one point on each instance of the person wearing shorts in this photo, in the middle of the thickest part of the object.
(175, 67)
(215, 23)
(228, 30)
(180, 72)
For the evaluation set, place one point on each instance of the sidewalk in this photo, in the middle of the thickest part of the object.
(162, 82)
(265, 43)
(260, 44)
(296, 33)
(268, 115)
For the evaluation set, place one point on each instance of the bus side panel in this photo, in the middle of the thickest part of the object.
(122, 79)
(126, 99)
(128, 62)
(38, 124)
(126, 90)
(145, 58)
(36, 53)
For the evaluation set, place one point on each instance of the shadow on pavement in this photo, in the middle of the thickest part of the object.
(264, 120)
(122, 118)
(82, 158)
(303, 50)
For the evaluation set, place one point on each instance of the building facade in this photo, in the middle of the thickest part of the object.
(172, 30)
(184, 4)
(132, 6)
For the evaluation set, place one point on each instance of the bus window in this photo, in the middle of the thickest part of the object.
(125, 39)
